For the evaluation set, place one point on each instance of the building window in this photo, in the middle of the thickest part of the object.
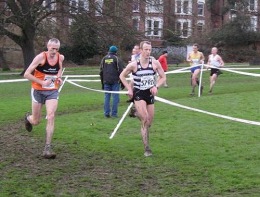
(49, 5)
(154, 6)
(252, 5)
(136, 23)
(179, 28)
(232, 16)
(153, 26)
(136, 5)
(253, 23)
(183, 28)
(200, 9)
(183, 7)
(78, 6)
(99, 6)
(156, 28)
(73, 6)
(83, 5)
(71, 21)
(200, 26)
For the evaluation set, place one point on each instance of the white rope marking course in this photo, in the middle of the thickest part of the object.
(201, 72)
(186, 107)
(104, 91)
(182, 70)
(206, 112)
(157, 98)
(121, 120)
(13, 80)
(234, 71)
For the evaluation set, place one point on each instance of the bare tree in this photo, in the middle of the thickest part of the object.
(3, 64)
(19, 20)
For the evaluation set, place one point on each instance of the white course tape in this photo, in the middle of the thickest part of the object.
(121, 120)
(90, 80)
(206, 112)
(178, 105)
(104, 91)
(179, 70)
(85, 80)
(182, 70)
(63, 83)
(12, 80)
(61, 86)
(79, 76)
(244, 68)
(234, 71)
(200, 83)
(242, 73)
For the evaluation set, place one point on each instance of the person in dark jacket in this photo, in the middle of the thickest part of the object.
(110, 68)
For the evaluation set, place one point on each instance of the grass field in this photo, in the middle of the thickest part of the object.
(194, 154)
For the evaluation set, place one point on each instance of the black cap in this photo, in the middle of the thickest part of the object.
(164, 52)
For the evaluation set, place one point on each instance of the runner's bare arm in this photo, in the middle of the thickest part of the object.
(202, 58)
(39, 59)
(221, 61)
(128, 69)
(59, 75)
(162, 76)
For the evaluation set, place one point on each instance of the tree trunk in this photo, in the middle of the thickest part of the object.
(28, 53)
(3, 63)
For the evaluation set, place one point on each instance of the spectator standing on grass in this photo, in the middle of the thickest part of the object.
(45, 73)
(110, 68)
(163, 60)
(216, 61)
(196, 58)
(144, 89)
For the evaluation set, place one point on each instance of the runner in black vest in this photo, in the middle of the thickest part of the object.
(145, 88)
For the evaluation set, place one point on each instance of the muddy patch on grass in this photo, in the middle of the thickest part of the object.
(74, 171)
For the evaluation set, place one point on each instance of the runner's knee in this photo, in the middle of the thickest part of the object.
(50, 116)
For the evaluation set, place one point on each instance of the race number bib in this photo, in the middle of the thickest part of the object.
(215, 63)
(195, 62)
(146, 82)
(52, 78)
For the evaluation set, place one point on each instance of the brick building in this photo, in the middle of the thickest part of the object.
(152, 18)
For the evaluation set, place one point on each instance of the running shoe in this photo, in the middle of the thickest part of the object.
(28, 125)
(148, 152)
(48, 153)
(132, 112)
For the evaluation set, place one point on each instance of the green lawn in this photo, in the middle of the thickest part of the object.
(194, 154)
